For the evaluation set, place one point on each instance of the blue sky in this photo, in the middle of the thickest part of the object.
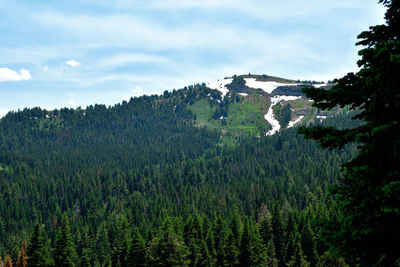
(73, 53)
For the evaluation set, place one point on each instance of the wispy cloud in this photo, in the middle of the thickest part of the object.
(100, 50)
(7, 74)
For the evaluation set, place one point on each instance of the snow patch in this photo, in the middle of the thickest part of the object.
(293, 123)
(265, 86)
(220, 86)
(242, 94)
(319, 85)
(270, 114)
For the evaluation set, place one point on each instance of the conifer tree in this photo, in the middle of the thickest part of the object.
(206, 258)
(369, 192)
(37, 252)
(298, 259)
(245, 246)
(220, 238)
(232, 251)
(271, 260)
(85, 259)
(22, 259)
(277, 233)
(64, 253)
(308, 245)
(8, 261)
(102, 244)
(257, 252)
(168, 248)
(328, 259)
(137, 253)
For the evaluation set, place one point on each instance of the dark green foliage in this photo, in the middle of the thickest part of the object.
(283, 114)
(38, 255)
(64, 253)
(271, 260)
(168, 248)
(137, 252)
(85, 259)
(367, 227)
(117, 168)
(298, 259)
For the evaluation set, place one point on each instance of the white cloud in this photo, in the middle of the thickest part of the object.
(7, 74)
(72, 63)
(46, 68)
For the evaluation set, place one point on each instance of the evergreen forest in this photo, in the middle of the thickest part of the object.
(140, 184)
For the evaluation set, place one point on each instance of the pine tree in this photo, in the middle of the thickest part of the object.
(277, 233)
(271, 260)
(206, 259)
(232, 251)
(137, 253)
(85, 259)
(64, 253)
(38, 255)
(102, 244)
(168, 248)
(257, 252)
(330, 260)
(245, 245)
(308, 245)
(8, 261)
(369, 192)
(22, 259)
(298, 259)
(220, 238)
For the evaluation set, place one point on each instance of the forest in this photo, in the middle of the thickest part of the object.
(139, 184)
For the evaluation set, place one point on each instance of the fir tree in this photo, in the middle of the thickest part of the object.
(308, 245)
(168, 248)
(64, 253)
(22, 259)
(102, 244)
(232, 251)
(369, 192)
(298, 259)
(277, 233)
(137, 253)
(8, 261)
(38, 255)
(271, 260)
(85, 259)
(206, 259)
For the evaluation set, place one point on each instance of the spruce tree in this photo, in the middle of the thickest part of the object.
(168, 248)
(298, 259)
(308, 245)
(85, 259)
(137, 255)
(37, 252)
(368, 231)
(271, 260)
(64, 253)
(22, 257)
(8, 261)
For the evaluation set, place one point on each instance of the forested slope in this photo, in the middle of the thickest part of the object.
(145, 166)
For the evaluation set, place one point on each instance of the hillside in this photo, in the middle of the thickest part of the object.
(161, 164)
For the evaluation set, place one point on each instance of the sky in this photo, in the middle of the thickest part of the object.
(56, 54)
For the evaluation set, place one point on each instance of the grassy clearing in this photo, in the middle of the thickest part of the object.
(244, 118)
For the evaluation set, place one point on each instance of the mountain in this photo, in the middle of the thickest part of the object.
(259, 104)
(196, 167)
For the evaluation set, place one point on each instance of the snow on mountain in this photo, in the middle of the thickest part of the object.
(220, 86)
(267, 86)
(270, 114)
(293, 123)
